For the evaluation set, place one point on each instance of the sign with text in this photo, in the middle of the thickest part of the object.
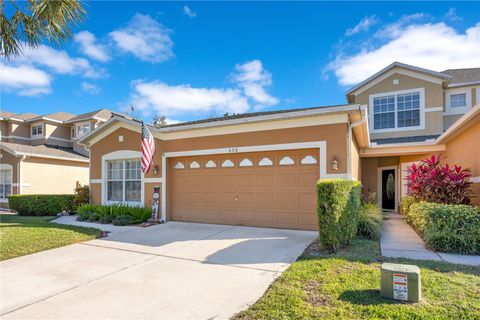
(400, 286)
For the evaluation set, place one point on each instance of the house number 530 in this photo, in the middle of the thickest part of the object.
(232, 149)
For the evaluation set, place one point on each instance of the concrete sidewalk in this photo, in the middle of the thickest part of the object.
(399, 240)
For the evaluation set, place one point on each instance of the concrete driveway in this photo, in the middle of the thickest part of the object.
(172, 271)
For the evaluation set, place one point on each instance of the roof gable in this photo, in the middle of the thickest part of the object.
(409, 70)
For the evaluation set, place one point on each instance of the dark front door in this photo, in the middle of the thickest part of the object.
(388, 189)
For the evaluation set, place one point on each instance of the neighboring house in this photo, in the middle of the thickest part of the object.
(260, 169)
(41, 154)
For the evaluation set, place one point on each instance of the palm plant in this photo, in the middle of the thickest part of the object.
(33, 21)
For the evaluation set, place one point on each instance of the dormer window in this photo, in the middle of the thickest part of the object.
(83, 129)
(37, 130)
(397, 111)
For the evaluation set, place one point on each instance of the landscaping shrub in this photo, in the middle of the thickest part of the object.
(447, 228)
(81, 195)
(122, 220)
(40, 204)
(406, 202)
(108, 213)
(338, 211)
(370, 222)
(429, 181)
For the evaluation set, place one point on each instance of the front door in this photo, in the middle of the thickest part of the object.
(388, 189)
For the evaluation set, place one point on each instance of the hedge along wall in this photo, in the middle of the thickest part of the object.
(338, 211)
(446, 227)
(40, 204)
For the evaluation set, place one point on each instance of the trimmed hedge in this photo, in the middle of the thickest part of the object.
(445, 227)
(370, 222)
(119, 214)
(338, 211)
(40, 204)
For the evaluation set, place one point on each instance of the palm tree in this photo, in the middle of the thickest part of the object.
(31, 22)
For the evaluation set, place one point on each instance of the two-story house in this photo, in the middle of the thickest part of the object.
(40, 154)
(261, 169)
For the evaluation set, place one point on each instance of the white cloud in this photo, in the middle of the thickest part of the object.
(189, 12)
(249, 93)
(184, 99)
(90, 47)
(253, 79)
(145, 38)
(432, 46)
(452, 15)
(363, 25)
(24, 80)
(58, 61)
(90, 88)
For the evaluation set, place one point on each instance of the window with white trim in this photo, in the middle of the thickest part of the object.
(124, 180)
(83, 129)
(37, 130)
(458, 100)
(6, 174)
(395, 111)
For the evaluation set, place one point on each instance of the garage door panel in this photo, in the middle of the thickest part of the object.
(281, 193)
(265, 179)
(245, 179)
(287, 180)
(307, 220)
(265, 200)
(287, 219)
(308, 179)
(287, 200)
(307, 200)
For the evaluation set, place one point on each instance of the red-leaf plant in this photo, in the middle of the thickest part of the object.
(429, 181)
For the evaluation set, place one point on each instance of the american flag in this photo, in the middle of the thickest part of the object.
(148, 148)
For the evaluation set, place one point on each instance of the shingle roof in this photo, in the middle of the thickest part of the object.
(101, 113)
(404, 139)
(60, 116)
(22, 116)
(464, 75)
(43, 150)
(246, 115)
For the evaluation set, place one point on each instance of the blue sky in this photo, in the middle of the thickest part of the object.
(190, 60)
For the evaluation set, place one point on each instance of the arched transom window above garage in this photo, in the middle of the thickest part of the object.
(228, 164)
(286, 161)
(194, 165)
(265, 162)
(210, 164)
(308, 160)
(179, 165)
(246, 163)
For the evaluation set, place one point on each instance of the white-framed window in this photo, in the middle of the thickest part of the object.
(397, 111)
(458, 101)
(37, 130)
(6, 174)
(83, 129)
(124, 181)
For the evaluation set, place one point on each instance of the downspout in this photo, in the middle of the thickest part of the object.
(349, 144)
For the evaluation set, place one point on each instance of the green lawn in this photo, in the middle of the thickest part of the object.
(346, 286)
(24, 235)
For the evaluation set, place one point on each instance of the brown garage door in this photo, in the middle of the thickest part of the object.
(268, 189)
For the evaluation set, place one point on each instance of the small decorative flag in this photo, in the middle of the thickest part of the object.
(148, 148)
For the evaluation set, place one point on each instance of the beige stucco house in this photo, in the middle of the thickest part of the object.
(41, 154)
(260, 169)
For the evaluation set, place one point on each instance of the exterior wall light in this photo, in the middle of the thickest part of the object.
(334, 163)
(155, 170)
